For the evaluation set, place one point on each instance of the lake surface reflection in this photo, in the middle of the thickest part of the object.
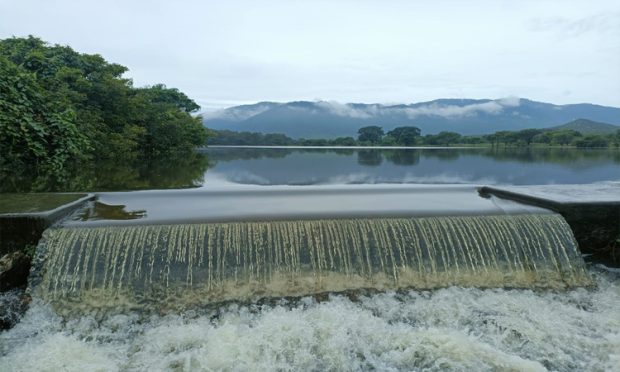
(515, 166)
(310, 166)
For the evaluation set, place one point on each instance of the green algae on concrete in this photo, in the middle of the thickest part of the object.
(35, 203)
(23, 217)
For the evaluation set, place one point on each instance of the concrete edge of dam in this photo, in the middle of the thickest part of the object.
(592, 211)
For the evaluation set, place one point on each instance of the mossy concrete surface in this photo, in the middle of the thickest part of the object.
(23, 218)
(35, 203)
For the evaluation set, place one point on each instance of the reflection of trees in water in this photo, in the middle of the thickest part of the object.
(219, 154)
(374, 157)
(102, 211)
(180, 171)
(370, 158)
(443, 154)
(188, 170)
(403, 157)
(551, 155)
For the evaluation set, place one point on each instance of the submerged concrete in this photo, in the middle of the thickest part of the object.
(259, 203)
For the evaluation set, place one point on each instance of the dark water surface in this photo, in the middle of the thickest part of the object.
(309, 166)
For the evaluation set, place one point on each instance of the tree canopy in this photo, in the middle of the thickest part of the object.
(58, 105)
(443, 138)
(405, 135)
(371, 134)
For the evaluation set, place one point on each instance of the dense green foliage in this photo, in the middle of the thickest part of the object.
(404, 135)
(58, 105)
(411, 136)
(228, 137)
(371, 135)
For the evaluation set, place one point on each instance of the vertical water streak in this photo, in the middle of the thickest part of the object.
(242, 259)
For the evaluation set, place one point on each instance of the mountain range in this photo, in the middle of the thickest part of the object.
(326, 119)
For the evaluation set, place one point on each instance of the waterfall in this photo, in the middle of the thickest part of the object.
(184, 264)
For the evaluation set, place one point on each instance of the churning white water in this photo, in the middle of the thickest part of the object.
(446, 329)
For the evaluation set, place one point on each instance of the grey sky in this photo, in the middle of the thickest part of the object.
(231, 52)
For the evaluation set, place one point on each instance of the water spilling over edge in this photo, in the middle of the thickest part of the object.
(180, 266)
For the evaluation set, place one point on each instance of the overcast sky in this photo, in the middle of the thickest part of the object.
(223, 53)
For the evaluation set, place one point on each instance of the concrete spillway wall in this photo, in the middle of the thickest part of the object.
(26, 220)
(592, 212)
(22, 226)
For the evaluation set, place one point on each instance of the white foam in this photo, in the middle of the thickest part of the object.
(453, 329)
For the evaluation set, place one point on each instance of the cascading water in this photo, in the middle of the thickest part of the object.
(192, 264)
(132, 290)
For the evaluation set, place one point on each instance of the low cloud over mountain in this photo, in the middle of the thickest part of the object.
(324, 119)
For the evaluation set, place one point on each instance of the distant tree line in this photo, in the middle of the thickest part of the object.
(58, 106)
(411, 136)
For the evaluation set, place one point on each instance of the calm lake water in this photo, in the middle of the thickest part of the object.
(287, 166)
(308, 166)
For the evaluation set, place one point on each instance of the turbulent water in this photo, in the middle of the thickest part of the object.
(253, 296)
(447, 329)
(180, 265)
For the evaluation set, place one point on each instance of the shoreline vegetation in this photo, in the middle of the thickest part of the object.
(60, 109)
(411, 137)
(66, 117)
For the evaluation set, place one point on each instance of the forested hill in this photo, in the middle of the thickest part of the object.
(586, 126)
(466, 116)
(58, 105)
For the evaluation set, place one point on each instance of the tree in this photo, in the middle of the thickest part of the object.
(616, 138)
(405, 136)
(443, 138)
(58, 105)
(344, 141)
(472, 140)
(36, 128)
(564, 137)
(371, 134)
(544, 137)
(506, 137)
(492, 139)
(591, 140)
(527, 135)
(388, 141)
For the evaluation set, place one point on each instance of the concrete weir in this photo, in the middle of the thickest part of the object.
(259, 203)
(188, 247)
(592, 211)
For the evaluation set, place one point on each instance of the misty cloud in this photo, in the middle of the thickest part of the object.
(602, 22)
(432, 109)
(374, 110)
(345, 110)
(455, 111)
(238, 113)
